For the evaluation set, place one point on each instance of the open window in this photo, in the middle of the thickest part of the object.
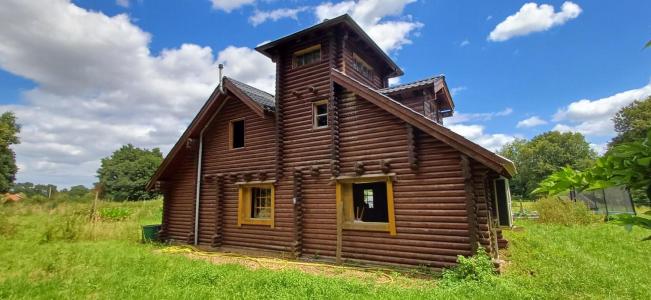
(503, 202)
(306, 56)
(320, 114)
(236, 134)
(367, 204)
(362, 67)
(256, 204)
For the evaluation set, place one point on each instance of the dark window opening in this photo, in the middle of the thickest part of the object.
(370, 202)
(307, 58)
(502, 201)
(320, 115)
(237, 134)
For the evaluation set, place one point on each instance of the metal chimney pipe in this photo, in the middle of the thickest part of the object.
(221, 78)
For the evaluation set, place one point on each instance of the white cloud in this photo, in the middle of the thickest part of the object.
(531, 122)
(533, 18)
(599, 148)
(594, 117)
(230, 5)
(260, 16)
(476, 134)
(394, 81)
(98, 86)
(464, 43)
(390, 35)
(459, 117)
(123, 3)
(457, 89)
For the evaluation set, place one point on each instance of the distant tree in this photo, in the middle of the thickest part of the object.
(9, 130)
(124, 174)
(31, 189)
(78, 191)
(544, 155)
(632, 122)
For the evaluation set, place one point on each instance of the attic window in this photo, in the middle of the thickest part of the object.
(320, 114)
(362, 67)
(307, 56)
(237, 134)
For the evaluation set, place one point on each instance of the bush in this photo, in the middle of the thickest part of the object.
(114, 213)
(564, 212)
(478, 267)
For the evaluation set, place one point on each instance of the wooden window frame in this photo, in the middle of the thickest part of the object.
(507, 191)
(359, 60)
(244, 204)
(230, 134)
(315, 115)
(346, 217)
(298, 53)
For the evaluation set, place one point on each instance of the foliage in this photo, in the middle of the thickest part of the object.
(126, 172)
(107, 262)
(9, 130)
(628, 221)
(632, 122)
(545, 154)
(114, 213)
(564, 212)
(31, 189)
(478, 267)
(65, 228)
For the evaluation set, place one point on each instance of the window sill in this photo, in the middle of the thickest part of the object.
(366, 226)
(265, 222)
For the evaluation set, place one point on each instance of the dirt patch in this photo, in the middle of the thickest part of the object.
(416, 277)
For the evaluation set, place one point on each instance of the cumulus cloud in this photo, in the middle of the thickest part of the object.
(476, 134)
(371, 15)
(531, 122)
(457, 89)
(98, 86)
(533, 18)
(230, 5)
(260, 16)
(594, 117)
(460, 117)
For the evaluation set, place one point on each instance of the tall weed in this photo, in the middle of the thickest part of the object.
(564, 212)
(478, 267)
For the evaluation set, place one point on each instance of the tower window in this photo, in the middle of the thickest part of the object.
(307, 56)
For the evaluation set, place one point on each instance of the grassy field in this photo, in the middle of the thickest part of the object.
(52, 251)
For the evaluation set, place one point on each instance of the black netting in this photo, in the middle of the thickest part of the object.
(610, 201)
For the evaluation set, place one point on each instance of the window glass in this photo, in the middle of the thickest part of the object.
(362, 67)
(320, 115)
(237, 134)
(307, 58)
(260, 203)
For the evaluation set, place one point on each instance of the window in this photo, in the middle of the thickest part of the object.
(320, 113)
(503, 202)
(367, 204)
(256, 204)
(362, 67)
(307, 56)
(237, 134)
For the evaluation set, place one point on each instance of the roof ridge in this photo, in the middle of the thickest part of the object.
(416, 82)
(249, 86)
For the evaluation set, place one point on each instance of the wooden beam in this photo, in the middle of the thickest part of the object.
(340, 222)
(412, 151)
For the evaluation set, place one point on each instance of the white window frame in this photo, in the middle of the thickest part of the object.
(315, 115)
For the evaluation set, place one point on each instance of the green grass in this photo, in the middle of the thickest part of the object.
(105, 261)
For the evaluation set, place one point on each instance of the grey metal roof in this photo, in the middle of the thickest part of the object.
(261, 97)
(410, 85)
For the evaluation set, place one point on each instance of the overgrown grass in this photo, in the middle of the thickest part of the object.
(105, 260)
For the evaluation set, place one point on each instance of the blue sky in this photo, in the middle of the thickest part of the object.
(89, 76)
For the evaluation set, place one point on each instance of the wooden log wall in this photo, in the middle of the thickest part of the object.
(218, 234)
(298, 213)
(179, 199)
(306, 147)
(256, 159)
(353, 46)
(430, 205)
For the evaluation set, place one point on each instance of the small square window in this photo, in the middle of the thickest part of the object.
(237, 134)
(256, 204)
(320, 112)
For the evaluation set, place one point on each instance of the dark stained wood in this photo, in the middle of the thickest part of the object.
(471, 204)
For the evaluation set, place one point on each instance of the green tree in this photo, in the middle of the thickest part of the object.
(31, 189)
(632, 122)
(9, 130)
(78, 191)
(545, 154)
(124, 174)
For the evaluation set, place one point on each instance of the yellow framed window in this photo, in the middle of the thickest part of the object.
(256, 204)
(367, 204)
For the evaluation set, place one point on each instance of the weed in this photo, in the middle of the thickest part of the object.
(478, 267)
(564, 212)
(114, 213)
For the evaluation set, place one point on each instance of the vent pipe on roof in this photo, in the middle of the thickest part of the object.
(221, 78)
